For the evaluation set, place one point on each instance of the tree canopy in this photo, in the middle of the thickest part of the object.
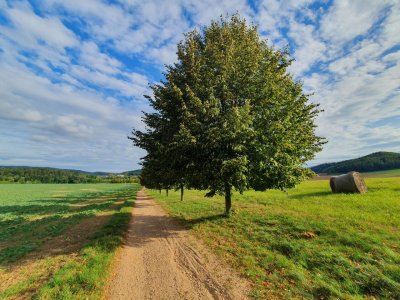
(229, 115)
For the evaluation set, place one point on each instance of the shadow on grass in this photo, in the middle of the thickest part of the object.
(380, 189)
(315, 194)
(83, 274)
(26, 228)
(190, 223)
(58, 204)
(74, 199)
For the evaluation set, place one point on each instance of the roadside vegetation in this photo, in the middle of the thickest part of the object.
(57, 241)
(305, 243)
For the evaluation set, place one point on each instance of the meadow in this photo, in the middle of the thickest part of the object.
(57, 240)
(306, 242)
(386, 173)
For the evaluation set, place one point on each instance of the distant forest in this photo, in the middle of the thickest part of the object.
(52, 175)
(378, 161)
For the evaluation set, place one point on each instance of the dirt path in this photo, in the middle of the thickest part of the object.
(161, 260)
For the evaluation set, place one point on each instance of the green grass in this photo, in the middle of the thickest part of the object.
(386, 173)
(31, 215)
(306, 243)
(85, 277)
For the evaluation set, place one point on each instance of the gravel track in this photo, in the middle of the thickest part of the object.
(162, 260)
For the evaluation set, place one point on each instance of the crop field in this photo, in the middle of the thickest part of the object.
(386, 173)
(376, 174)
(57, 240)
(305, 243)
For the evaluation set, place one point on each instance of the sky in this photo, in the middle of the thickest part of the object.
(73, 73)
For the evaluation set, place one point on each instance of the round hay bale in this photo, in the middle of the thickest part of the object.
(351, 182)
(332, 183)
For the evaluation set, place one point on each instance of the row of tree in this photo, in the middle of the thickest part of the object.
(228, 116)
(49, 175)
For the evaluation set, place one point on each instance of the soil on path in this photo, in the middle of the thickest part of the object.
(161, 260)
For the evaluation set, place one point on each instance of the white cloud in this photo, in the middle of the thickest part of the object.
(309, 50)
(92, 57)
(202, 12)
(355, 104)
(389, 36)
(274, 15)
(32, 29)
(103, 20)
(140, 27)
(74, 125)
(125, 87)
(54, 119)
(393, 57)
(347, 19)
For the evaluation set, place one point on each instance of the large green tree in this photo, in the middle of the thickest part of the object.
(166, 164)
(230, 116)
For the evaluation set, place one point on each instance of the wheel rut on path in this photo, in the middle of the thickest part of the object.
(160, 259)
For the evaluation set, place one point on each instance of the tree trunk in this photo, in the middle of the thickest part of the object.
(166, 190)
(182, 189)
(159, 190)
(228, 200)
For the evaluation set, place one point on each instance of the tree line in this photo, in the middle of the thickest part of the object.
(49, 175)
(228, 116)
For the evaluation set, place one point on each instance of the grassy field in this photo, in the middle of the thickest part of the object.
(306, 243)
(386, 173)
(57, 240)
(376, 174)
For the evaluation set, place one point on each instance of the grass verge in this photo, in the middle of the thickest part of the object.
(306, 243)
(85, 277)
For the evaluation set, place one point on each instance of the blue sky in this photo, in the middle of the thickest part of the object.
(73, 73)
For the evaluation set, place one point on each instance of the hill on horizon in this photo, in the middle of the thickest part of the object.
(95, 173)
(23, 174)
(378, 161)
